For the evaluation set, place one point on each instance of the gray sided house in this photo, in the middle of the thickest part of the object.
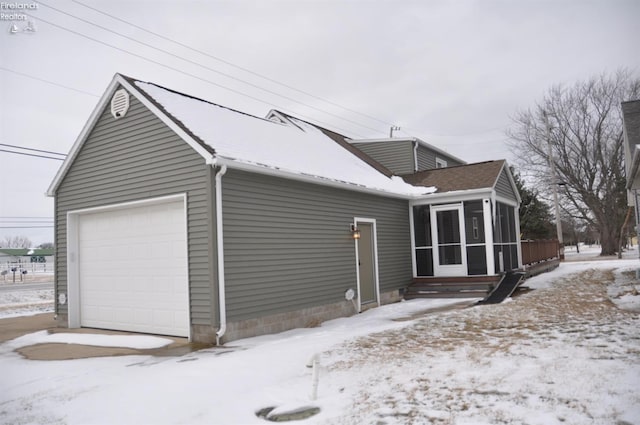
(631, 131)
(177, 216)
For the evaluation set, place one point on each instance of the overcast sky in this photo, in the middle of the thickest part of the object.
(449, 72)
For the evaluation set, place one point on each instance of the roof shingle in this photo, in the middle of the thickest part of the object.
(480, 175)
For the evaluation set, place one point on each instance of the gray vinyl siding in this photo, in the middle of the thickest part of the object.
(288, 244)
(133, 158)
(396, 156)
(504, 187)
(427, 159)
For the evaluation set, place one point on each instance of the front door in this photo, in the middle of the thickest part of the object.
(449, 255)
(367, 263)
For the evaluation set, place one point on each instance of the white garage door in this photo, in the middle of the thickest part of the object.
(133, 269)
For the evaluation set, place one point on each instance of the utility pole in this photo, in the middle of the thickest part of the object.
(393, 128)
(554, 184)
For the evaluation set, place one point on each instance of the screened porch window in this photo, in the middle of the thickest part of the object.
(474, 231)
(505, 238)
(424, 247)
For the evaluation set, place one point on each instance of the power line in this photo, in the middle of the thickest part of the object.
(26, 227)
(31, 154)
(232, 64)
(32, 149)
(47, 81)
(210, 69)
(21, 217)
(26, 221)
(174, 69)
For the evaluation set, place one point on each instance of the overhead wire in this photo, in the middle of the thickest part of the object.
(213, 70)
(226, 75)
(47, 81)
(271, 80)
(31, 154)
(32, 149)
(40, 19)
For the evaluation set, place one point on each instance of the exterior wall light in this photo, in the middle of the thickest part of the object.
(355, 232)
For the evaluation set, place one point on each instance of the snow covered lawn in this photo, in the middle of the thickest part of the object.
(561, 354)
(23, 303)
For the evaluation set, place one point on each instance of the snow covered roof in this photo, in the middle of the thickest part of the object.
(242, 139)
(238, 140)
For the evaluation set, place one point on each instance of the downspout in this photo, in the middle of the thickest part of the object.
(415, 156)
(222, 302)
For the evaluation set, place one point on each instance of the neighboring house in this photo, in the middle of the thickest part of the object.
(631, 131)
(25, 255)
(178, 216)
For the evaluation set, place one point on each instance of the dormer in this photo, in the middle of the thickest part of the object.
(406, 155)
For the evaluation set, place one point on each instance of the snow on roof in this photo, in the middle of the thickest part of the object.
(247, 139)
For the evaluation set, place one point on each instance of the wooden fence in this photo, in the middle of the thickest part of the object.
(539, 250)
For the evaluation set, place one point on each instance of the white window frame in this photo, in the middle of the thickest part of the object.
(441, 163)
(374, 230)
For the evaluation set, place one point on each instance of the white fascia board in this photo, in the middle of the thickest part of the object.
(118, 80)
(507, 201)
(306, 178)
(386, 139)
(455, 196)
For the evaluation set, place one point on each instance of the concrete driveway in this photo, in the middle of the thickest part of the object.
(11, 328)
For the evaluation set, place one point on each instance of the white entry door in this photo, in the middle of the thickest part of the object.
(449, 254)
(132, 269)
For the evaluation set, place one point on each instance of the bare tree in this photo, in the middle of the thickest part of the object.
(16, 242)
(586, 145)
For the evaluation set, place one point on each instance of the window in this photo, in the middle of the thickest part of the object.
(505, 238)
(440, 163)
(422, 233)
(475, 235)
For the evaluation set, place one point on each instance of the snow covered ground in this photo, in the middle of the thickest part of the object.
(561, 354)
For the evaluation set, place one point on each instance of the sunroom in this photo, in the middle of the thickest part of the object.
(469, 227)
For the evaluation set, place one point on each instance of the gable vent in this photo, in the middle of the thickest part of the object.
(119, 103)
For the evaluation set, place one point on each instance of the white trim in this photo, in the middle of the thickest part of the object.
(118, 80)
(412, 233)
(506, 201)
(516, 216)
(73, 271)
(374, 236)
(450, 197)
(453, 269)
(488, 236)
(306, 178)
(441, 163)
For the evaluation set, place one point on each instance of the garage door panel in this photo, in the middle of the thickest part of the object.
(133, 269)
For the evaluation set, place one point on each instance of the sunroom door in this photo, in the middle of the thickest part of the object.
(449, 255)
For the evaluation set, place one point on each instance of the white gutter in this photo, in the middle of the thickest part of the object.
(222, 301)
(277, 172)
